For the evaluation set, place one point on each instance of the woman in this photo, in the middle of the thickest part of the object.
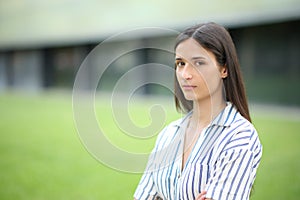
(214, 151)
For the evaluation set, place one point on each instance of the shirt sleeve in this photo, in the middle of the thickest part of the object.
(233, 174)
(146, 188)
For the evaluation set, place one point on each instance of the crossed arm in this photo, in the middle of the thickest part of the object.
(202, 196)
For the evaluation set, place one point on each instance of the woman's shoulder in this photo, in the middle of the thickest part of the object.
(238, 131)
(241, 124)
(176, 124)
(242, 134)
(171, 130)
(171, 127)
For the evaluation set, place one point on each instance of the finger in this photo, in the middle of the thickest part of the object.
(201, 196)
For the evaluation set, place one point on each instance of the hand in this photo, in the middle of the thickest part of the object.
(201, 196)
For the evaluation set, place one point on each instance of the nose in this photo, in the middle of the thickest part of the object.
(186, 72)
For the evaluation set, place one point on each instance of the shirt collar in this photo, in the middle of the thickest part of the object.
(224, 118)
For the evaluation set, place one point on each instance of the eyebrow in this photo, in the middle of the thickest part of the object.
(197, 57)
(193, 58)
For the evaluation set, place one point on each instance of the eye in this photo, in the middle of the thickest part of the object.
(199, 63)
(180, 64)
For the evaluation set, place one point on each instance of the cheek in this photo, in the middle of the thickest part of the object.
(201, 77)
(213, 84)
(208, 79)
(177, 74)
(211, 73)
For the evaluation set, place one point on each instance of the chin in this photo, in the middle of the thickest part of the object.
(190, 97)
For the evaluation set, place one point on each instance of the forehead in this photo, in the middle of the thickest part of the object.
(191, 48)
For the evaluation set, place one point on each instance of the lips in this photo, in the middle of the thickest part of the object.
(188, 87)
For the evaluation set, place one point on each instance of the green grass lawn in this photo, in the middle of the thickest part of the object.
(42, 156)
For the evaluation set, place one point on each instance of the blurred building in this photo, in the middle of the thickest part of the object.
(43, 44)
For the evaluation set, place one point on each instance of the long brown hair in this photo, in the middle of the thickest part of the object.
(216, 39)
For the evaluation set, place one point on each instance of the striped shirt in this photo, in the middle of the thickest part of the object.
(223, 161)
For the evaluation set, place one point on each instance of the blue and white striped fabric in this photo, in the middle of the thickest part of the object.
(223, 161)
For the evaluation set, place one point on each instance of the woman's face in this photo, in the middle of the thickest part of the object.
(198, 74)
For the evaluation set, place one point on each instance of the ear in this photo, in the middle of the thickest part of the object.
(224, 72)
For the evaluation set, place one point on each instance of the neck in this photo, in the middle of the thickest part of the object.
(205, 111)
